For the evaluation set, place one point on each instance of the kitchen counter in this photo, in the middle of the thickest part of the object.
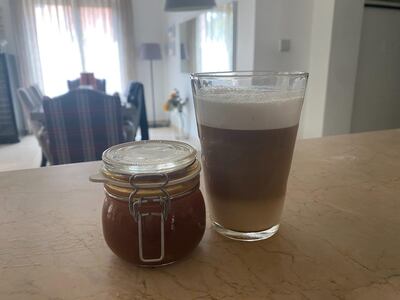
(339, 235)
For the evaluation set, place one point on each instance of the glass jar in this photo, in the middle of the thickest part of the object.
(154, 212)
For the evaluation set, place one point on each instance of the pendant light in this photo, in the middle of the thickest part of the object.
(188, 5)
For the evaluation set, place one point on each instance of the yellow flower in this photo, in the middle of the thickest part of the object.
(166, 106)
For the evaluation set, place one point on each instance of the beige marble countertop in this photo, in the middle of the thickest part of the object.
(339, 238)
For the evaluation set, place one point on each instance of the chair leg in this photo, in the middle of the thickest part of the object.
(44, 161)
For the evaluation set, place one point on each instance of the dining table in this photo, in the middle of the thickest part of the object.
(339, 236)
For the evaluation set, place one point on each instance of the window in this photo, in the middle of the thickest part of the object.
(216, 38)
(100, 47)
(75, 39)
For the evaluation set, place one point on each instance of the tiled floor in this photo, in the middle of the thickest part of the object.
(23, 155)
(27, 154)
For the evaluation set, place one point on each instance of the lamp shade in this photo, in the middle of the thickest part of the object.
(188, 5)
(150, 51)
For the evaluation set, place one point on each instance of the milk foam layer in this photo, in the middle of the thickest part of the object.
(248, 109)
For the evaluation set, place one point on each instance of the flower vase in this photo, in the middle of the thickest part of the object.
(181, 130)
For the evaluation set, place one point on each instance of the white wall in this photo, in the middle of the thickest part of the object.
(283, 19)
(377, 95)
(246, 30)
(342, 73)
(336, 31)
(312, 120)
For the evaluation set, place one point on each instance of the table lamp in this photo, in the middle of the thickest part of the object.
(188, 5)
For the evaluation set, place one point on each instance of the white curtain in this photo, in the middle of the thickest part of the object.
(73, 36)
(27, 48)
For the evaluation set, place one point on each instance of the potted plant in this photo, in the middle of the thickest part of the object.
(176, 103)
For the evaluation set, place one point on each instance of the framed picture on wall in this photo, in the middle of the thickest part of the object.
(171, 44)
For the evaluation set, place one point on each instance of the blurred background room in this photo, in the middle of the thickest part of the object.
(77, 76)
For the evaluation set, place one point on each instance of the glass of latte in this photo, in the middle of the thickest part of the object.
(247, 124)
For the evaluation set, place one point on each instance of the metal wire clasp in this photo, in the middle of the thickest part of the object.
(147, 181)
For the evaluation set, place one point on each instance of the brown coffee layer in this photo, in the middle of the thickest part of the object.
(246, 173)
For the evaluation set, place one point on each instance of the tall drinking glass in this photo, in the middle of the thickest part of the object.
(247, 124)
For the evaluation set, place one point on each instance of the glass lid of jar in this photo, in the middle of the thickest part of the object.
(146, 157)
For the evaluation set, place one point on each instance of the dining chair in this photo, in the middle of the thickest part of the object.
(138, 115)
(26, 99)
(28, 105)
(36, 127)
(36, 93)
(76, 83)
(82, 124)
